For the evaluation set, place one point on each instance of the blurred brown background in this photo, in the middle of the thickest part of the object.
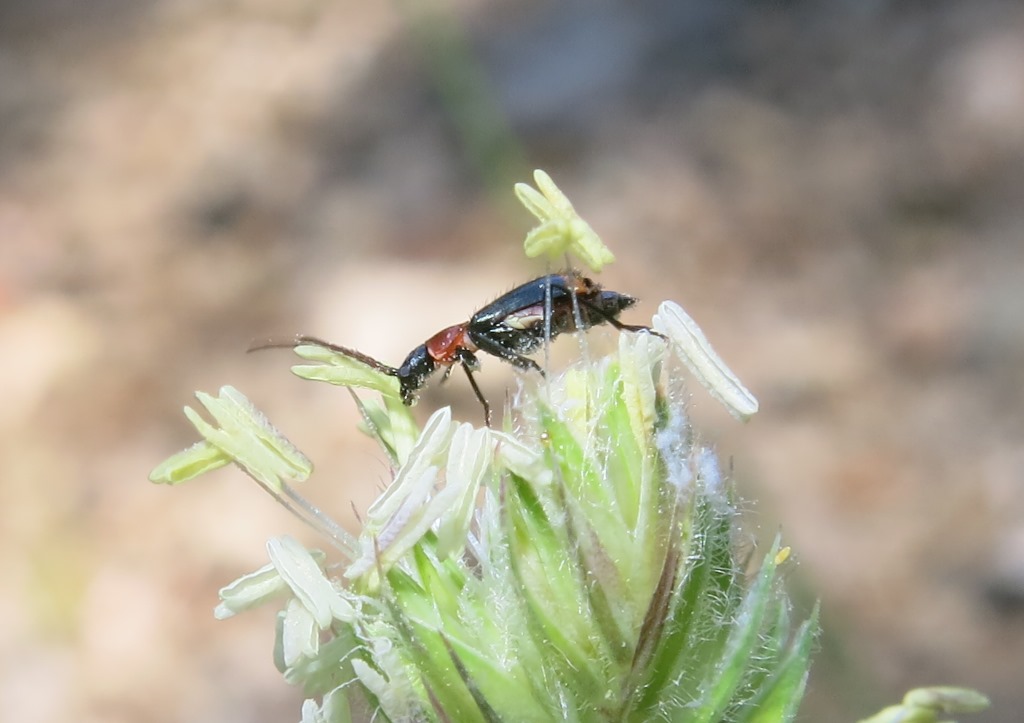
(834, 190)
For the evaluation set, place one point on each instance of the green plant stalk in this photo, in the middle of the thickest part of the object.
(579, 564)
(607, 587)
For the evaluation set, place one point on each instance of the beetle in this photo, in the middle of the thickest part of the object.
(510, 327)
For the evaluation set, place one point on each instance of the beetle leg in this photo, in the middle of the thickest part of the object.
(464, 357)
(495, 347)
(615, 322)
(470, 364)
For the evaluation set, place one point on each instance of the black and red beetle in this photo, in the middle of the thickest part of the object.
(510, 327)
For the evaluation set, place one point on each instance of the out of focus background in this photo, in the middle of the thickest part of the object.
(834, 190)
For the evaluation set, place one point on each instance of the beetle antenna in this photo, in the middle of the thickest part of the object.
(270, 343)
(316, 341)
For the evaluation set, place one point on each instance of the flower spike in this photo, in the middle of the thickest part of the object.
(561, 229)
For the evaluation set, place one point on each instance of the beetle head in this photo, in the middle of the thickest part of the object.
(414, 372)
